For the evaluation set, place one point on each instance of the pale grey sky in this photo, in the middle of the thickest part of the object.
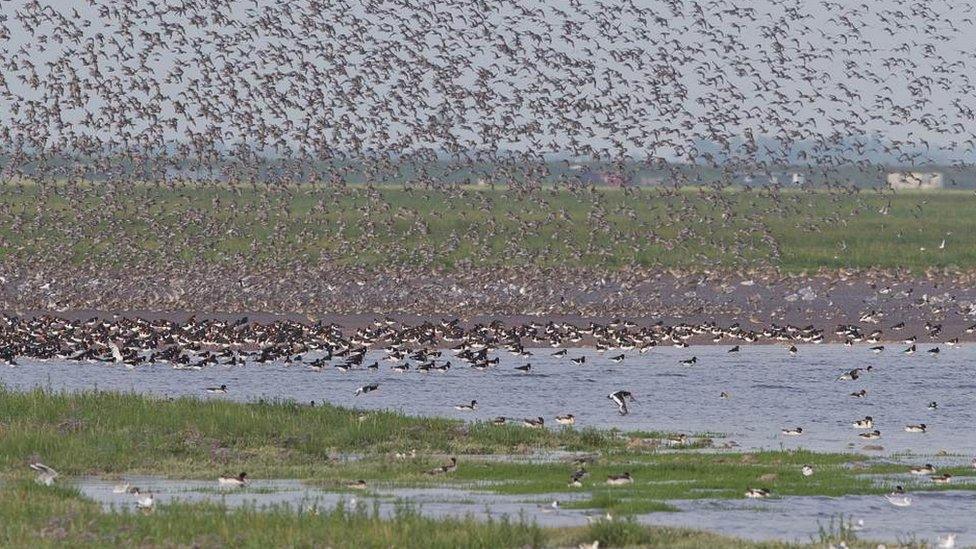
(498, 75)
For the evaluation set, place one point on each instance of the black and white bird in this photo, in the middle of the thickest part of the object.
(620, 398)
(467, 407)
(367, 389)
(233, 482)
(217, 390)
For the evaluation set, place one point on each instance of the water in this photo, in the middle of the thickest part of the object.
(787, 519)
(435, 502)
(798, 519)
(769, 391)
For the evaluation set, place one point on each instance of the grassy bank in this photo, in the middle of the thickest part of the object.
(389, 226)
(120, 434)
(115, 434)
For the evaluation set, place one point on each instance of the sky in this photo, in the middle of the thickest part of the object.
(614, 79)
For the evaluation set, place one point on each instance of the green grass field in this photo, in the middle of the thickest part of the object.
(607, 228)
(114, 435)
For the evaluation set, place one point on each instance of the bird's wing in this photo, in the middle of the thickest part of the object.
(116, 352)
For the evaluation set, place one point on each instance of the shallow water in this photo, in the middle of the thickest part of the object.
(790, 518)
(436, 502)
(769, 391)
(931, 515)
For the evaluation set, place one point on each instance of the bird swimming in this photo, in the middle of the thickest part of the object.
(234, 482)
(568, 419)
(366, 389)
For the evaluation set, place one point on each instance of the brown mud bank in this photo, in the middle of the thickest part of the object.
(933, 307)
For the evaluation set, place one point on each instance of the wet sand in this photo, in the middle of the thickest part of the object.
(757, 302)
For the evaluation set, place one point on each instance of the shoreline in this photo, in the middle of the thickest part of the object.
(349, 324)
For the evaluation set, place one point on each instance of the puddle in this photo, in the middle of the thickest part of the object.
(436, 502)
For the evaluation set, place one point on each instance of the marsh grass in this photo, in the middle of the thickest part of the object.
(299, 228)
(117, 432)
(627, 532)
(837, 530)
(44, 517)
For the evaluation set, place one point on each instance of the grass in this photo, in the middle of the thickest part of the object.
(38, 516)
(456, 229)
(44, 517)
(113, 434)
(118, 434)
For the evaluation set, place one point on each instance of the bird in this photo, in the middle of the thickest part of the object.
(568, 419)
(898, 497)
(467, 407)
(794, 432)
(620, 398)
(576, 480)
(946, 541)
(449, 467)
(145, 503)
(757, 493)
(215, 390)
(926, 469)
(45, 474)
(866, 423)
(366, 389)
(915, 428)
(690, 361)
(619, 480)
(807, 470)
(239, 481)
(536, 423)
(550, 508)
(872, 435)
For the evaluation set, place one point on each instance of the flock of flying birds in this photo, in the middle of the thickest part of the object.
(99, 98)
(102, 103)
